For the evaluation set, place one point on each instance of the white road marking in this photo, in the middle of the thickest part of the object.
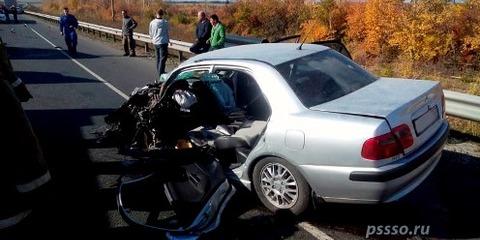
(314, 231)
(109, 85)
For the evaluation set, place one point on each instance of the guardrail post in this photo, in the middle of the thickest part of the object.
(180, 56)
(147, 49)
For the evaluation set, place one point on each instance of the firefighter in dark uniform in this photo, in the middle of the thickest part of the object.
(68, 24)
(22, 167)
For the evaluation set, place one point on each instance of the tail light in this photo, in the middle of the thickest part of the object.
(389, 144)
(404, 136)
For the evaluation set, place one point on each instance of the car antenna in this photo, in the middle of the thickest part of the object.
(301, 44)
(304, 40)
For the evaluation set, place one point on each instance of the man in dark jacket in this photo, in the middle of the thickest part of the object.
(6, 12)
(203, 32)
(68, 24)
(127, 30)
(13, 10)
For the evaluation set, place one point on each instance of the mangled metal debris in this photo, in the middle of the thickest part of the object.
(173, 130)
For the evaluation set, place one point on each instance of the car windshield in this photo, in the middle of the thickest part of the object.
(323, 77)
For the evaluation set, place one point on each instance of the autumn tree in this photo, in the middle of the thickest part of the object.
(382, 18)
(426, 33)
(355, 22)
(470, 48)
(328, 21)
(267, 18)
(376, 31)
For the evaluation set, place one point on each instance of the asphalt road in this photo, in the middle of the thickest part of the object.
(70, 102)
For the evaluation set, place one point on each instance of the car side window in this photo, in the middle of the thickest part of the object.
(191, 75)
(248, 95)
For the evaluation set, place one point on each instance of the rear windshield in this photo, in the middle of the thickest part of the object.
(323, 77)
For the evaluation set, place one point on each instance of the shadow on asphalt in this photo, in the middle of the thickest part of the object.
(50, 78)
(246, 220)
(20, 21)
(18, 53)
(447, 202)
(456, 137)
(71, 203)
(74, 204)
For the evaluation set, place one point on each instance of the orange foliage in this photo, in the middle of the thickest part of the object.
(355, 22)
(313, 30)
(380, 30)
(267, 18)
(382, 18)
(328, 21)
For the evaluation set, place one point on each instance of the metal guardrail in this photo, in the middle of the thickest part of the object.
(180, 46)
(457, 104)
(462, 105)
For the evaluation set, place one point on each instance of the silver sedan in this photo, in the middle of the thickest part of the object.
(320, 126)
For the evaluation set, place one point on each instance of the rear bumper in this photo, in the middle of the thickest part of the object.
(375, 185)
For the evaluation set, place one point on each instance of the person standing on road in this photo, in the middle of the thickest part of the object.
(217, 38)
(127, 30)
(158, 31)
(203, 31)
(13, 10)
(6, 12)
(68, 24)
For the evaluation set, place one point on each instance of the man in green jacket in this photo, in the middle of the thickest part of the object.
(217, 38)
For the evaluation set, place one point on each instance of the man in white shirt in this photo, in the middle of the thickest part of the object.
(158, 31)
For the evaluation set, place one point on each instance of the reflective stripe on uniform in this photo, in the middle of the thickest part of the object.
(12, 221)
(17, 83)
(36, 183)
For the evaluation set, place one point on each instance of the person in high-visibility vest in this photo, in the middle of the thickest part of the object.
(22, 167)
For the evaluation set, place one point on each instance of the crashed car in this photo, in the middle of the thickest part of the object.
(306, 123)
(167, 128)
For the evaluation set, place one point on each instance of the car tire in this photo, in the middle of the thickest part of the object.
(275, 190)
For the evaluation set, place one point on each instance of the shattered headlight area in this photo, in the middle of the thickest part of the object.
(143, 123)
(148, 122)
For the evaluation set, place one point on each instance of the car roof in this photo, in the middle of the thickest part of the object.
(271, 53)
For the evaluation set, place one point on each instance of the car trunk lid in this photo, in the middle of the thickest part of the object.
(416, 103)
